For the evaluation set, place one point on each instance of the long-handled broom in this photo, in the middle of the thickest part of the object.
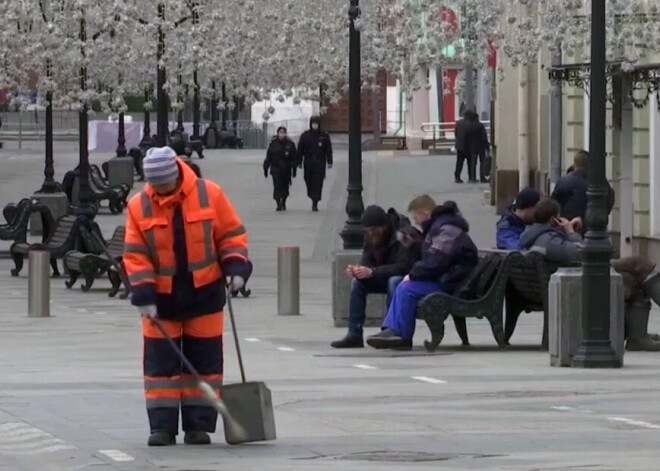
(205, 387)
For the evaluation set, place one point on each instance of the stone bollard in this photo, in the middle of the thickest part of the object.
(565, 315)
(288, 281)
(341, 290)
(39, 282)
(120, 171)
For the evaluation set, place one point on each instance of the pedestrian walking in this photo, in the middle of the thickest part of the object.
(281, 160)
(315, 153)
(462, 150)
(184, 242)
(478, 147)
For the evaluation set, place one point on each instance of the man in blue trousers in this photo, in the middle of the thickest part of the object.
(448, 256)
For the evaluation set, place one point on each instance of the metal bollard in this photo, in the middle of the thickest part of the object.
(288, 281)
(39, 282)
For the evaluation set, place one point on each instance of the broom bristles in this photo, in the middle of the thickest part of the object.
(237, 430)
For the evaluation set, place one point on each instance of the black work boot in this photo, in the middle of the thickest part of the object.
(279, 205)
(315, 206)
(197, 438)
(283, 204)
(350, 341)
(162, 439)
(637, 319)
(389, 339)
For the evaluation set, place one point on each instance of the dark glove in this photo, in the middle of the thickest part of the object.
(294, 172)
(265, 173)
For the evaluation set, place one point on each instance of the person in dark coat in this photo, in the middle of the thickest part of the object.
(315, 153)
(281, 160)
(462, 150)
(478, 147)
(448, 257)
(516, 218)
(385, 261)
(571, 190)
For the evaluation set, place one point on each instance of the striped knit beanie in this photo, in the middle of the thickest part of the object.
(160, 166)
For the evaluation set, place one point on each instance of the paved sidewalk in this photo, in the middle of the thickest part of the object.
(71, 388)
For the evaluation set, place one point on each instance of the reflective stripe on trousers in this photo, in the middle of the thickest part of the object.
(168, 386)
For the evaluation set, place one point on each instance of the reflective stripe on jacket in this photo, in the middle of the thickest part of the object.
(213, 233)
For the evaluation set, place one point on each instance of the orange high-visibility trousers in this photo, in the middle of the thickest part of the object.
(169, 386)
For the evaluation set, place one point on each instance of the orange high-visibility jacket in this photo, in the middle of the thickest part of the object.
(214, 234)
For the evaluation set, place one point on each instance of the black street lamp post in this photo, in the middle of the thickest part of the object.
(161, 94)
(596, 350)
(353, 232)
(196, 109)
(85, 205)
(224, 107)
(214, 105)
(146, 140)
(121, 138)
(179, 115)
(49, 185)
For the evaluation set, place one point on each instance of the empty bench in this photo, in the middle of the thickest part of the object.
(63, 239)
(94, 263)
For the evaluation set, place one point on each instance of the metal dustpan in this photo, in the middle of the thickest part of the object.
(250, 404)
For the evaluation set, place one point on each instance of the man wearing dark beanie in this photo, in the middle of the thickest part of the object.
(516, 218)
(385, 261)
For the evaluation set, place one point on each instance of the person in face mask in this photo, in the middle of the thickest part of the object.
(281, 161)
(315, 152)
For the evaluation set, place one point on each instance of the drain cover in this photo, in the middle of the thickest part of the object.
(399, 456)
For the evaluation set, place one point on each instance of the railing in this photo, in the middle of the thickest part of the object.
(443, 134)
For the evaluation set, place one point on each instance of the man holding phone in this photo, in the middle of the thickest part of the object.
(385, 261)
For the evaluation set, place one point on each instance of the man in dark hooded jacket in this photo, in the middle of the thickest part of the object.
(385, 261)
(448, 257)
(315, 153)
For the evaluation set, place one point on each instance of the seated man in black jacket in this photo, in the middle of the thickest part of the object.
(385, 261)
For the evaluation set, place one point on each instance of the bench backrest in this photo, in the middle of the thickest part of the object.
(116, 243)
(64, 232)
(530, 277)
(480, 280)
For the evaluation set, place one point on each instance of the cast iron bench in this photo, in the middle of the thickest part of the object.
(103, 182)
(527, 291)
(481, 295)
(114, 195)
(92, 262)
(191, 146)
(18, 218)
(63, 239)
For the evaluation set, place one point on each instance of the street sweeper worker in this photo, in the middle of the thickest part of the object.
(184, 242)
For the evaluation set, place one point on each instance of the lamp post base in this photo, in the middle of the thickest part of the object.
(353, 235)
(596, 354)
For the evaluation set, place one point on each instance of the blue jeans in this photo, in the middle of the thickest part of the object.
(402, 312)
(357, 308)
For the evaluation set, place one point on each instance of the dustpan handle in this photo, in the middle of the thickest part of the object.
(233, 328)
